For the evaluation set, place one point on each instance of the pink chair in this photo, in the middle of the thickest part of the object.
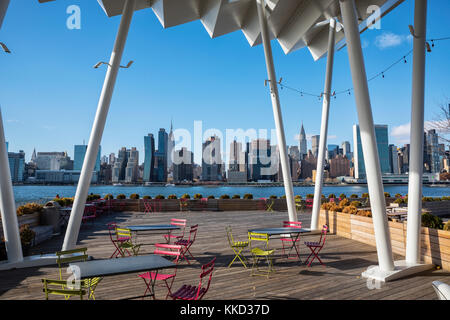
(89, 213)
(293, 241)
(309, 203)
(188, 292)
(187, 243)
(261, 204)
(150, 278)
(315, 247)
(147, 206)
(176, 222)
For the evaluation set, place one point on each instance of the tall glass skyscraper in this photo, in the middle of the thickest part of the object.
(149, 160)
(79, 154)
(382, 138)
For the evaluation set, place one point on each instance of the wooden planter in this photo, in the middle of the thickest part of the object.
(435, 244)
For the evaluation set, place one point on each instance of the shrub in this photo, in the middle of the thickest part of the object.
(283, 196)
(398, 195)
(248, 196)
(198, 196)
(447, 226)
(354, 196)
(431, 221)
(350, 210)
(185, 196)
(364, 213)
(160, 197)
(344, 203)
(29, 208)
(331, 196)
(211, 197)
(446, 198)
(334, 207)
(93, 197)
(109, 196)
(64, 202)
(146, 197)
(356, 204)
(326, 205)
(387, 195)
(365, 195)
(273, 197)
(224, 196)
(26, 234)
(399, 201)
(309, 196)
(172, 196)
(134, 196)
(236, 196)
(121, 196)
(342, 196)
(298, 197)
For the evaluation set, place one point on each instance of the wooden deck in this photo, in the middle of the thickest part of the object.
(340, 279)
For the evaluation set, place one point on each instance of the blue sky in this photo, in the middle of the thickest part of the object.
(49, 90)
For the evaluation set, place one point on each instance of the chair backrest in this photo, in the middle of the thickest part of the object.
(262, 237)
(193, 233)
(112, 230)
(168, 250)
(75, 255)
(323, 234)
(292, 224)
(179, 223)
(207, 270)
(123, 233)
(57, 287)
(229, 235)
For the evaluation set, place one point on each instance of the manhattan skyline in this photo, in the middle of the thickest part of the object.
(192, 77)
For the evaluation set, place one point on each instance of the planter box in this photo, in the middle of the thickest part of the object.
(435, 244)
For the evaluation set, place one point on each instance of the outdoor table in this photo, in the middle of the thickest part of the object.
(64, 215)
(281, 232)
(152, 228)
(111, 267)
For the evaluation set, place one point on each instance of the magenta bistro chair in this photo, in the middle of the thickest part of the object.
(187, 243)
(289, 242)
(179, 223)
(151, 277)
(315, 247)
(188, 292)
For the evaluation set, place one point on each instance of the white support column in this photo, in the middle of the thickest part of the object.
(8, 205)
(292, 212)
(417, 129)
(76, 215)
(369, 144)
(323, 128)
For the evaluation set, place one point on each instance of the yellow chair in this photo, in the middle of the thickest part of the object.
(75, 255)
(125, 242)
(67, 293)
(236, 246)
(298, 204)
(261, 254)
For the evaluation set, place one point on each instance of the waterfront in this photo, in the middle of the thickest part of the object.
(24, 194)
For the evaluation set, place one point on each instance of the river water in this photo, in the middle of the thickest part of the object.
(24, 194)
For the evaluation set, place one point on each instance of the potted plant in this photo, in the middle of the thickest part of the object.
(134, 196)
(26, 238)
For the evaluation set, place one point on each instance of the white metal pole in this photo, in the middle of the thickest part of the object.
(292, 212)
(76, 215)
(323, 128)
(8, 205)
(417, 129)
(368, 140)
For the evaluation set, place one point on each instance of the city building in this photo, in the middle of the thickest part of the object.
(339, 166)
(346, 150)
(332, 151)
(315, 145)
(237, 166)
(79, 154)
(149, 159)
(433, 151)
(61, 176)
(211, 160)
(17, 166)
(303, 144)
(307, 165)
(260, 161)
(118, 169)
(394, 159)
(183, 165)
(161, 156)
(53, 161)
(382, 139)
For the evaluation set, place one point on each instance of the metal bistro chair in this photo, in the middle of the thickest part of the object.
(151, 277)
(260, 254)
(188, 292)
(54, 287)
(187, 243)
(315, 247)
(112, 226)
(179, 223)
(126, 243)
(147, 206)
(237, 247)
(289, 239)
(75, 255)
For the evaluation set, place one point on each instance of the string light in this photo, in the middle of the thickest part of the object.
(381, 73)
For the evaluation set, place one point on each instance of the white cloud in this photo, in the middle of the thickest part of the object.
(401, 133)
(389, 40)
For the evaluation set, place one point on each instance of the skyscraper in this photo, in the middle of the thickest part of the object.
(161, 156)
(183, 165)
(382, 139)
(393, 159)
(132, 168)
(315, 145)
(303, 144)
(346, 150)
(149, 160)
(261, 157)
(16, 165)
(80, 153)
(433, 151)
(212, 160)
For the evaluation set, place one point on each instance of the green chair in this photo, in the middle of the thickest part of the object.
(237, 247)
(50, 287)
(75, 255)
(126, 243)
(259, 254)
